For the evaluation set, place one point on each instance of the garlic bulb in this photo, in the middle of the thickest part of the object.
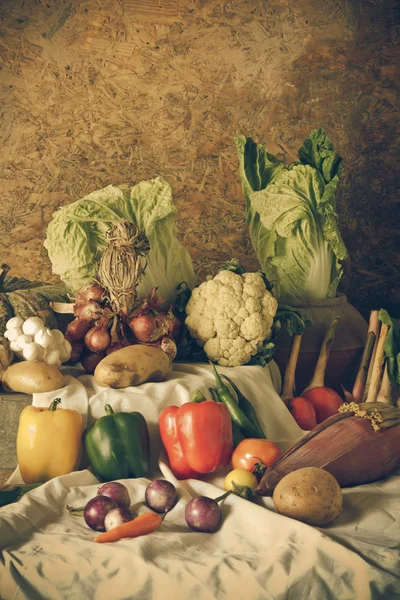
(32, 325)
(65, 350)
(12, 334)
(58, 336)
(15, 323)
(52, 357)
(32, 351)
(22, 340)
(31, 340)
(44, 338)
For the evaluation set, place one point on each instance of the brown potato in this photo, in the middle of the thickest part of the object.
(311, 495)
(32, 377)
(133, 365)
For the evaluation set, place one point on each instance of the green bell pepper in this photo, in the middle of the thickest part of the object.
(118, 446)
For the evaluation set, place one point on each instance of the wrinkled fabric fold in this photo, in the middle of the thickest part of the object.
(256, 554)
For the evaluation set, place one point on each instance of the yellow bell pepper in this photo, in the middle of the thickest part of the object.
(49, 442)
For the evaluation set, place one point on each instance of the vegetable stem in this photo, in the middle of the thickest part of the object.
(374, 325)
(386, 390)
(54, 404)
(108, 409)
(220, 498)
(198, 397)
(214, 394)
(362, 374)
(288, 387)
(318, 378)
(378, 365)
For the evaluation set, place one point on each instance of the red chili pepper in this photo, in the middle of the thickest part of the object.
(197, 437)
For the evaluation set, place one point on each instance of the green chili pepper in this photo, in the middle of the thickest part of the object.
(246, 406)
(237, 435)
(214, 394)
(237, 415)
(13, 492)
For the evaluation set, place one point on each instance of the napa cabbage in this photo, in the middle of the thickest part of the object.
(291, 216)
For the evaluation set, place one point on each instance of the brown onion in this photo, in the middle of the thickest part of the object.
(168, 324)
(97, 339)
(113, 347)
(88, 310)
(169, 347)
(90, 360)
(77, 329)
(144, 328)
(77, 349)
(91, 292)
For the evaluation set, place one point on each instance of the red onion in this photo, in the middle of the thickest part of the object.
(118, 493)
(96, 510)
(160, 495)
(97, 339)
(116, 517)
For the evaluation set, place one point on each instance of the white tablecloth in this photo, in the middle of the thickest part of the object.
(255, 555)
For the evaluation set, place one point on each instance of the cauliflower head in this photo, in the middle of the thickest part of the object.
(230, 316)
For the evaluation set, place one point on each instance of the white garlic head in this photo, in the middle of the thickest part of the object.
(32, 325)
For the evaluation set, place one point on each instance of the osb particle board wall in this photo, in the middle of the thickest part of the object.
(95, 92)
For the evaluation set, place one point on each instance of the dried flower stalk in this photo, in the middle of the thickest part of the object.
(122, 265)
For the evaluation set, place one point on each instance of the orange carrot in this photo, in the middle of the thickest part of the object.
(142, 525)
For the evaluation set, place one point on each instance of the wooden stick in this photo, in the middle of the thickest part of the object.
(379, 362)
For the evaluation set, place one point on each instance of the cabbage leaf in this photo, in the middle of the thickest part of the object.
(292, 219)
(76, 236)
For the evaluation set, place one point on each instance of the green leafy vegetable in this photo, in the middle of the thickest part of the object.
(291, 215)
(76, 236)
(392, 347)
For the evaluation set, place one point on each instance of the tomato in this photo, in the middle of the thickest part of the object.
(250, 452)
(241, 478)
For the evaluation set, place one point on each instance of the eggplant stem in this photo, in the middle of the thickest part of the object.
(222, 497)
(318, 378)
(378, 366)
(288, 387)
(362, 374)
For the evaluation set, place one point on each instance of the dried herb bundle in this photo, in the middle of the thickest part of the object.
(122, 265)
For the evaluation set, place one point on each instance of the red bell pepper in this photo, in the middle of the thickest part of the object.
(196, 437)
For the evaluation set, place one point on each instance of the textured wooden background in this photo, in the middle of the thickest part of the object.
(94, 92)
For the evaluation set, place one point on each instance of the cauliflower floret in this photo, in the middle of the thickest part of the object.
(255, 327)
(231, 316)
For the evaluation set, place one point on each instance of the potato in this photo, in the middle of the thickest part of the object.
(133, 365)
(32, 377)
(311, 495)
